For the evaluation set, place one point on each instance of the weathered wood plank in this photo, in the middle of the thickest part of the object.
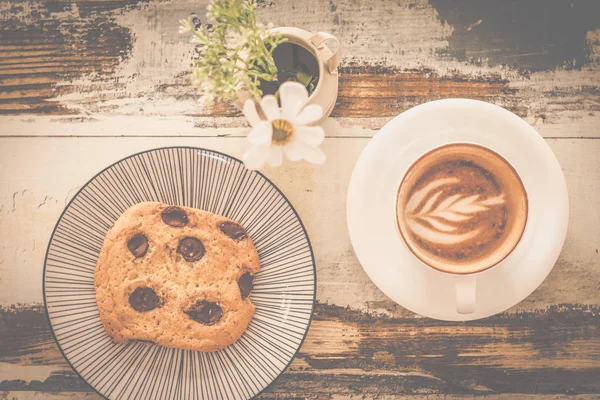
(506, 345)
(8, 395)
(415, 52)
(554, 351)
(292, 395)
(382, 92)
(33, 195)
(55, 42)
(531, 35)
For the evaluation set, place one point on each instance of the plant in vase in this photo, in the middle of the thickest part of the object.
(237, 53)
(240, 59)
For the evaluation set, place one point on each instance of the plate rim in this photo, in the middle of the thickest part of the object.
(312, 255)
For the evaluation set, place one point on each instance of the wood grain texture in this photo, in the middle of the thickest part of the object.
(33, 196)
(20, 395)
(554, 351)
(360, 342)
(532, 35)
(43, 44)
(84, 83)
(126, 58)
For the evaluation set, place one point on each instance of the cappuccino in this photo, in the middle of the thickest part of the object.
(461, 208)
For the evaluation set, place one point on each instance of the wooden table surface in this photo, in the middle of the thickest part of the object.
(85, 83)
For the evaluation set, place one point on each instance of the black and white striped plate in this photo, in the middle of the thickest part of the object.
(284, 289)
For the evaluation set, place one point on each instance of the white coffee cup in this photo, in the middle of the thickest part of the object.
(461, 209)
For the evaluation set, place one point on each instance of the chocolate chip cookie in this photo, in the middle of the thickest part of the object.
(179, 277)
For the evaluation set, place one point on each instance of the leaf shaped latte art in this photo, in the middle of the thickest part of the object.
(439, 223)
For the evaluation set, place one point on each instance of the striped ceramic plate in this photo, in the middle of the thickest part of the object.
(284, 289)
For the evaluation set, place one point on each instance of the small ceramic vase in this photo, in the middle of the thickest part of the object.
(328, 59)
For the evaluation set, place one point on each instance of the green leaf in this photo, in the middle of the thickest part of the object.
(235, 51)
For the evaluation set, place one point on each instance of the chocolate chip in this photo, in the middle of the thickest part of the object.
(205, 312)
(191, 249)
(144, 299)
(233, 230)
(245, 284)
(174, 216)
(138, 245)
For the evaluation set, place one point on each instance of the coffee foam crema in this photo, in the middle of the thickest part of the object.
(461, 208)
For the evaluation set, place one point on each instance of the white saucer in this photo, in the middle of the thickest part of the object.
(372, 195)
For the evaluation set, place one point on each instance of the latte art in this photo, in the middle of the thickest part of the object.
(461, 208)
(441, 224)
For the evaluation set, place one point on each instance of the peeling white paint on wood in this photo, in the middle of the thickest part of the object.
(152, 80)
(38, 185)
(566, 125)
(93, 396)
(10, 372)
(28, 395)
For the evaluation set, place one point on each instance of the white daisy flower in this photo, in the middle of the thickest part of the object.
(286, 129)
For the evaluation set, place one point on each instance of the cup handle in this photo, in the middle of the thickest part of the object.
(465, 294)
(319, 39)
